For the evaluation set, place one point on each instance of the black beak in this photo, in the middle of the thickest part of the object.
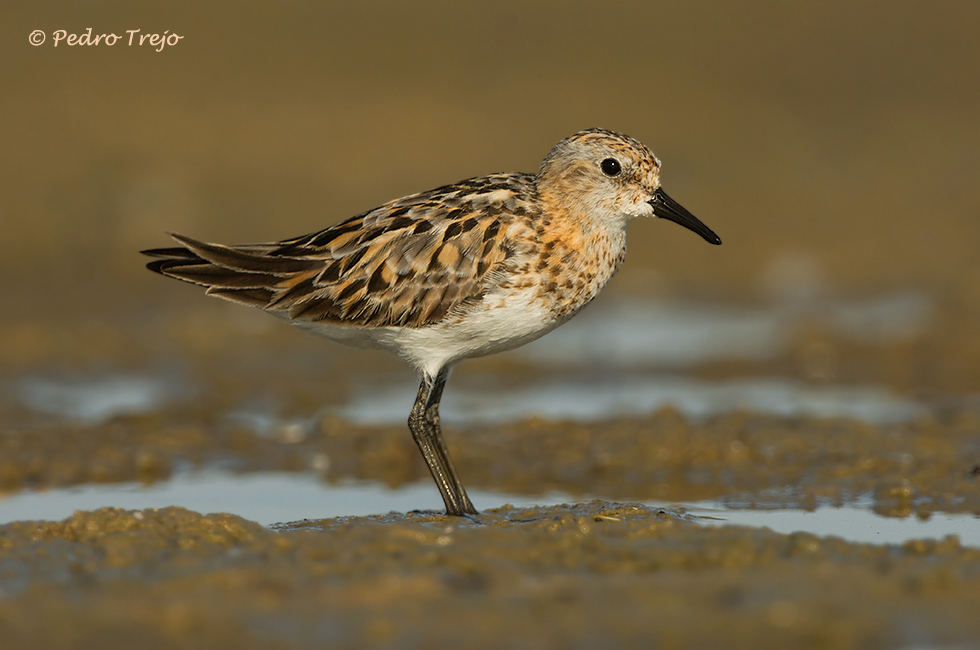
(667, 208)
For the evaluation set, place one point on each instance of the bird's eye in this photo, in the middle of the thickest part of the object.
(610, 167)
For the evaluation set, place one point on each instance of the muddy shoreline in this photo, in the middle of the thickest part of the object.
(576, 576)
(582, 575)
(932, 464)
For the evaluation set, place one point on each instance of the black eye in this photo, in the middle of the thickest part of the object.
(610, 167)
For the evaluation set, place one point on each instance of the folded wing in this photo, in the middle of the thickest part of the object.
(409, 263)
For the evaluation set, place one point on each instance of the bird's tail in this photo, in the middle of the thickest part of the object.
(244, 274)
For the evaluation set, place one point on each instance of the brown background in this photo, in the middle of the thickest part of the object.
(832, 144)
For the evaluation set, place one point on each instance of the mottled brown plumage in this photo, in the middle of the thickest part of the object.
(408, 263)
(468, 269)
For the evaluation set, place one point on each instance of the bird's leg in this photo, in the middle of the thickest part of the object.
(432, 419)
(424, 425)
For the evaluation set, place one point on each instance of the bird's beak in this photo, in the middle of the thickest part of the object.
(667, 208)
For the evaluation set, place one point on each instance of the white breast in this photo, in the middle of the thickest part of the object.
(500, 321)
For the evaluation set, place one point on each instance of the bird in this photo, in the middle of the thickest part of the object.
(464, 270)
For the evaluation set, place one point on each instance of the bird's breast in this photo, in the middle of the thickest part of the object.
(573, 264)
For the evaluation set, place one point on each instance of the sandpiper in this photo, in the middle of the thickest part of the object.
(464, 270)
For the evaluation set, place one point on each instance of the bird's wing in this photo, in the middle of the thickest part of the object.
(408, 263)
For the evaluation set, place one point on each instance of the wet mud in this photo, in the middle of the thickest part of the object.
(586, 576)
(580, 575)
(589, 574)
(932, 464)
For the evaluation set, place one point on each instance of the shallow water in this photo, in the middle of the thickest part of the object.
(588, 398)
(574, 396)
(676, 333)
(274, 497)
(95, 398)
(620, 357)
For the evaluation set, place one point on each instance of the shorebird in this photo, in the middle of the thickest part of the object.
(464, 270)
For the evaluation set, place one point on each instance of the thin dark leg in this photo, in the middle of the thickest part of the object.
(424, 425)
(432, 418)
(430, 451)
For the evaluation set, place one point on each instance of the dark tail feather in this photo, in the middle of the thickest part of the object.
(252, 297)
(247, 275)
(169, 258)
(242, 260)
(170, 253)
(212, 275)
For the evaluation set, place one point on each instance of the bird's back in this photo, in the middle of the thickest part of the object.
(408, 263)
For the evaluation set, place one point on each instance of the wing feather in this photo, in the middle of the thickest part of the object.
(408, 263)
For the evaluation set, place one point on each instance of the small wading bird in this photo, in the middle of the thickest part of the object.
(464, 270)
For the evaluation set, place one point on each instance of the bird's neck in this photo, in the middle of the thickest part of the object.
(577, 258)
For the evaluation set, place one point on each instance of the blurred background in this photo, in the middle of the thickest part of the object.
(834, 147)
